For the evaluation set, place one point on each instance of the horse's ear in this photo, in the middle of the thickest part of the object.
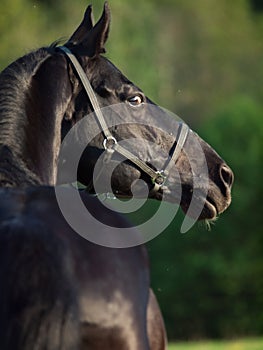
(85, 26)
(97, 36)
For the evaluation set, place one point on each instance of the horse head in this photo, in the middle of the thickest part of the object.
(143, 141)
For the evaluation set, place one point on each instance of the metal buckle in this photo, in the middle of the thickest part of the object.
(160, 178)
(109, 143)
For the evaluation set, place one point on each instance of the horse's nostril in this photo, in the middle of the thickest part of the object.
(227, 175)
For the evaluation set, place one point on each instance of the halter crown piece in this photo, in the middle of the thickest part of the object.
(111, 145)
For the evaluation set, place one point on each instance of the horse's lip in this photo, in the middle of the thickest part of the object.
(209, 211)
(211, 208)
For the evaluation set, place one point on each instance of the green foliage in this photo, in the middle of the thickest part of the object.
(237, 131)
(202, 59)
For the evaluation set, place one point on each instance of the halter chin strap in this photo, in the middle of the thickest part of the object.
(111, 145)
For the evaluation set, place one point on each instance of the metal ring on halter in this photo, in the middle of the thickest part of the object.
(109, 143)
(160, 178)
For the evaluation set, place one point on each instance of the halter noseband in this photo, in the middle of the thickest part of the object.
(111, 145)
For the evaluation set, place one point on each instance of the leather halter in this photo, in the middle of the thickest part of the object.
(111, 145)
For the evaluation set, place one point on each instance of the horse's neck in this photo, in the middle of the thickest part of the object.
(31, 119)
(13, 172)
(24, 165)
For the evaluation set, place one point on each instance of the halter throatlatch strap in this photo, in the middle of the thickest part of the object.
(111, 145)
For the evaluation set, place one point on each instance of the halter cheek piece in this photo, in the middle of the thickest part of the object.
(111, 145)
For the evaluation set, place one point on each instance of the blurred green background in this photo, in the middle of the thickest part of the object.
(203, 60)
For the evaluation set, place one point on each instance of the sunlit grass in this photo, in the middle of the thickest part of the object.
(239, 344)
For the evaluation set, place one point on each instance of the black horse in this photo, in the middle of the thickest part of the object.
(58, 290)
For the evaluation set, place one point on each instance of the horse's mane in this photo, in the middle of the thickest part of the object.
(14, 83)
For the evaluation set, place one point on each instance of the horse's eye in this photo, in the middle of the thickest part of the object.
(135, 100)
